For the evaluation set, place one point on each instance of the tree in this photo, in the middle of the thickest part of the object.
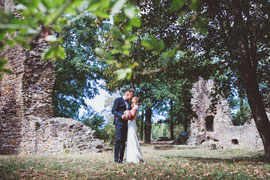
(159, 130)
(77, 76)
(154, 89)
(242, 49)
(240, 109)
(142, 123)
(95, 121)
(238, 36)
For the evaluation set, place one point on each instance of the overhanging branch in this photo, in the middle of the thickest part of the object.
(46, 26)
(179, 46)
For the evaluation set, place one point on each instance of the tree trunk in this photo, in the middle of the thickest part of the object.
(172, 122)
(141, 130)
(186, 123)
(258, 109)
(242, 118)
(248, 68)
(147, 126)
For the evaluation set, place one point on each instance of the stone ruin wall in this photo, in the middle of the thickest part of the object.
(216, 130)
(26, 111)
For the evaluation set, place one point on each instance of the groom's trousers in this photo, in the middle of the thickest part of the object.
(121, 138)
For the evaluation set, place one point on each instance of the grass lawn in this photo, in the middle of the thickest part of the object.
(160, 164)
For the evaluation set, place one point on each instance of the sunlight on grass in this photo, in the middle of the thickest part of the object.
(160, 164)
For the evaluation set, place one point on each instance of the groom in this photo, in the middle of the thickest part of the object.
(119, 106)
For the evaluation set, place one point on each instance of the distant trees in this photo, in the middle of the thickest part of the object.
(95, 122)
(77, 76)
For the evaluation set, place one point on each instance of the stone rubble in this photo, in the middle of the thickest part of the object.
(45, 136)
(216, 130)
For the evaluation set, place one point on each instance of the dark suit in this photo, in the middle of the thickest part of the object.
(119, 106)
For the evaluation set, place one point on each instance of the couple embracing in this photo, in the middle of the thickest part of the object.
(126, 128)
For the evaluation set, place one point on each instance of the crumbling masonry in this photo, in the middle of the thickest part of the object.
(217, 130)
(26, 123)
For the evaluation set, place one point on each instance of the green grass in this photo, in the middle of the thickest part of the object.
(168, 164)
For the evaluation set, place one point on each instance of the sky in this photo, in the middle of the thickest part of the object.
(97, 103)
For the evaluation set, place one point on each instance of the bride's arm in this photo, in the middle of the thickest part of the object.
(133, 113)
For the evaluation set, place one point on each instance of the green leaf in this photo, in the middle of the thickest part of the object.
(177, 4)
(80, 7)
(136, 21)
(122, 73)
(154, 44)
(71, 10)
(48, 53)
(172, 52)
(111, 61)
(129, 75)
(105, 4)
(147, 45)
(108, 56)
(204, 31)
(117, 6)
(132, 38)
(51, 38)
(42, 8)
(3, 62)
(60, 53)
(57, 28)
(127, 45)
(94, 5)
(135, 64)
(194, 4)
(127, 28)
(125, 52)
(54, 53)
(115, 51)
(161, 46)
(119, 18)
(129, 12)
(102, 14)
(116, 33)
(99, 51)
(116, 43)
(53, 4)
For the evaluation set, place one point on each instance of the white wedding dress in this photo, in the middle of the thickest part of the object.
(134, 153)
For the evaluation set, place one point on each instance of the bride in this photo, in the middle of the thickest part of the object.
(134, 153)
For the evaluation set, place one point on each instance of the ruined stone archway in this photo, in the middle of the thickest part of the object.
(217, 129)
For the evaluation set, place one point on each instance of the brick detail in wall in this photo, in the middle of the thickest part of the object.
(26, 110)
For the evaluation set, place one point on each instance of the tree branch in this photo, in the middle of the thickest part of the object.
(43, 28)
(179, 46)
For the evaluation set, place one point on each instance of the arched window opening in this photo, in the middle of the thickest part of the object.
(209, 123)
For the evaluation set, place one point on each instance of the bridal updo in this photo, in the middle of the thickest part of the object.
(137, 101)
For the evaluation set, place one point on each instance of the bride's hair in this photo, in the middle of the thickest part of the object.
(138, 100)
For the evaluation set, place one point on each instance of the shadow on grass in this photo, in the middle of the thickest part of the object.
(154, 142)
(258, 159)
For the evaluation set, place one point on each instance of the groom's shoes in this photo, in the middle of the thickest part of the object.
(118, 161)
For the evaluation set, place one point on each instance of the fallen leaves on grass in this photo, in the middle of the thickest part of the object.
(172, 164)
